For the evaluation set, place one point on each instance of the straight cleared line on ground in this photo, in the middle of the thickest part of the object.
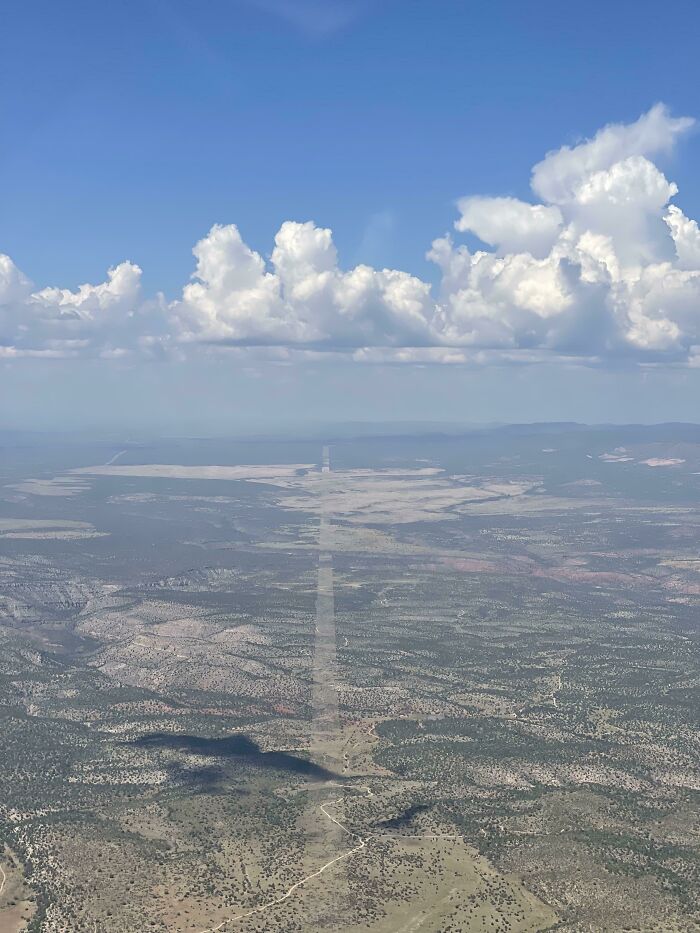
(324, 698)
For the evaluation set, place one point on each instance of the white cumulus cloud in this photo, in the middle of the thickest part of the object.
(600, 266)
(510, 224)
(557, 178)
(302, 298)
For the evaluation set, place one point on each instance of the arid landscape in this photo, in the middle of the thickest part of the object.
(375, 684)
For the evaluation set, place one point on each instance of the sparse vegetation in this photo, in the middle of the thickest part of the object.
(514, 670)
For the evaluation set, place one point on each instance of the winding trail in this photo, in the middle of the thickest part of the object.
(298, 884)
(115, 458)
(362, 844)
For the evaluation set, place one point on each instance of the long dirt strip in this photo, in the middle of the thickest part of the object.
(325, 721)
(324, 697)
(325, 724)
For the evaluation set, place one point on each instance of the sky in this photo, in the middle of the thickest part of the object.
(252, 212)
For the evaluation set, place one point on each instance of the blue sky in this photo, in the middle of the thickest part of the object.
(131, 128)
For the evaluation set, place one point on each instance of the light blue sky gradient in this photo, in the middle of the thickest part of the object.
(130, 127)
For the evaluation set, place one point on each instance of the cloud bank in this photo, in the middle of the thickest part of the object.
(600, 267)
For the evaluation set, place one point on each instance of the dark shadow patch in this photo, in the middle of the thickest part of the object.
(235, 746)
(199, 780)
(404, 819)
